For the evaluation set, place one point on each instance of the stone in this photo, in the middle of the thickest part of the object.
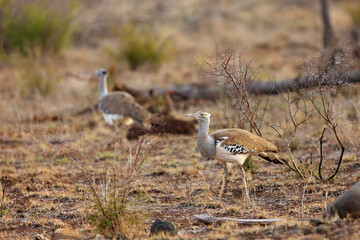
(163, 226)
(347, 204)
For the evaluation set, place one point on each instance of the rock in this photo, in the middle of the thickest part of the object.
(346, 204)
(163, 226)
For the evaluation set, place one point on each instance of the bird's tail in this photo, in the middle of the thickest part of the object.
(273, 157)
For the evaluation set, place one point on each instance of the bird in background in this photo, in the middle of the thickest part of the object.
(232, 145)
(119, 108)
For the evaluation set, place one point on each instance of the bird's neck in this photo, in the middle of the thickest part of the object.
(203, 130)
(102, 86)
(205, 144)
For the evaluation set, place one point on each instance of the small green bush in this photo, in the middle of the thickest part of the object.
(142, 45)
(35, 25)
(353, 10)
(115, 219)
(250, 166)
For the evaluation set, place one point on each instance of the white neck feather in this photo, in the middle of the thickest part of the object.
(203, 129)
(204, 142)
(102, 86)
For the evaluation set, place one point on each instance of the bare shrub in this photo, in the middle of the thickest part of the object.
(236, 78)
(111, 210)
(324, 80)
(329, 78)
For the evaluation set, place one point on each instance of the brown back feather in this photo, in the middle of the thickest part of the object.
(250, 141)
(122, 103)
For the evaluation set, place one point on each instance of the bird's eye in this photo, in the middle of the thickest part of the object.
(104, 72)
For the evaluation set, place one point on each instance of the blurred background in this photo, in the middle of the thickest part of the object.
(49, 49)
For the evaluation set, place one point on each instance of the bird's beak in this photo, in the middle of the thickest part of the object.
(189, 115)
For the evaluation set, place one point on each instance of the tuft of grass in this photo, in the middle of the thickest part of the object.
(63, 161)
(115, 219)
(105, 155)
(353, 9)
(35, 25)
(250, 166)
(35, 77)
(113, 213)
(141, 45)
(294, 144)
(3, 212)
(39, 159)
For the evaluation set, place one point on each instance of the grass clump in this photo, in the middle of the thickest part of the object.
(142, 45)
(35, 77)
(250, 166)
(105, 155)
(35, 25)
(353, 9)
(113, 211)
(116, 219)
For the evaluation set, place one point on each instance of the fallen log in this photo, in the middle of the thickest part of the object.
(211, 92)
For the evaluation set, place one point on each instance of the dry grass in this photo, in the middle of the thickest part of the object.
(45, 191)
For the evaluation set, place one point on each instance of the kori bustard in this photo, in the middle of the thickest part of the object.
(119, 108)
(232, 145)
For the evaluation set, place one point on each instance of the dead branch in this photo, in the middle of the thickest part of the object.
(236, 78)
(212, 93)
(321, 153)
(329, 38)
(323, 97)
(210, 219)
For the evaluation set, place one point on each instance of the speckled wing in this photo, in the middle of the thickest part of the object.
(239, 141)
(122, 103)
(240, 137)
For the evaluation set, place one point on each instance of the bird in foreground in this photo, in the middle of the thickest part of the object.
(119, 107)
(232, 145)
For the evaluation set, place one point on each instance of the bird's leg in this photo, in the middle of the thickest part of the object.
(245, 184)
(224, 181)
(116, 138)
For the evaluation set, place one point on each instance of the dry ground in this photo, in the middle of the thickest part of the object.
(45, 190)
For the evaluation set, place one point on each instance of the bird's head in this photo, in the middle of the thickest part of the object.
(200, 116)
(100, 72)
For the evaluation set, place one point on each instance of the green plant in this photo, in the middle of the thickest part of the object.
(141, 45)
(63, 161)
(3, 185)
(353, 9)
(250, 166)
(105, 155)
(3, 212)
(35, 25)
